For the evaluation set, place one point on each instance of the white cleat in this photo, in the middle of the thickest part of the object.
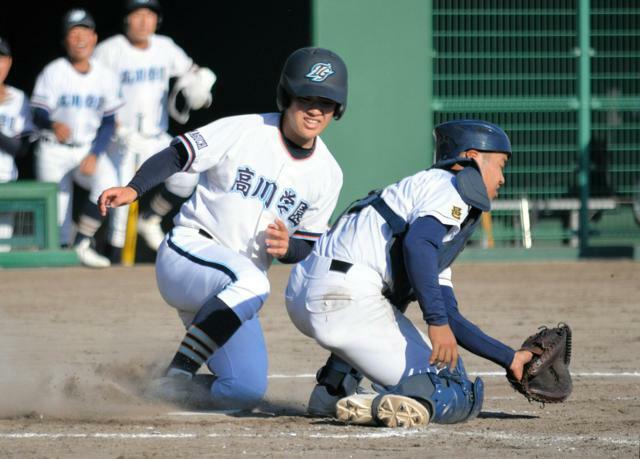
(89, 257)
(399, 411)
(151, 231)
(391, 411)
(356, 409)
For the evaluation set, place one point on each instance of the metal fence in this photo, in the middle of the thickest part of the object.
(525, 66)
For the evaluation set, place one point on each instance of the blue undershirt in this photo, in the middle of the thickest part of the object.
(438, 303)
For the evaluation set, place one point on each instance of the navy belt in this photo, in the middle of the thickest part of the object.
(340, 266)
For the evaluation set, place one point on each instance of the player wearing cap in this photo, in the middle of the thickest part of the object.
(74, 102)
(144, 62)
(393, 247)
(267, 187)
(15, 130)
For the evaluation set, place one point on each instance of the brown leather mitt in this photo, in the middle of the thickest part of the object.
(546, 377)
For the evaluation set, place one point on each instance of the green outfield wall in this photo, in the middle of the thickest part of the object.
(385, 132)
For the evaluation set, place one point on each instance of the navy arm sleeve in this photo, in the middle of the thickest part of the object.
(470, 337)
(159, 167)
(104, 134)
(420, 248)
(41, 118)
(297, 251)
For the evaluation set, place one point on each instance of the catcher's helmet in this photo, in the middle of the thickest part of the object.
(313, 72)
(455, 137)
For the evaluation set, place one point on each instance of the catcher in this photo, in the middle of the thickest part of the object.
(396, 246)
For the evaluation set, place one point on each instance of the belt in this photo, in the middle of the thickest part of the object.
(204, 233)
(340, 266)
(48, 139)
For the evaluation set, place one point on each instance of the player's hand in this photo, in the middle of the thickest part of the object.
(61, 131)
(88, 164)
(116, 197)
(277, 239)
(520, 359)
(445, 346)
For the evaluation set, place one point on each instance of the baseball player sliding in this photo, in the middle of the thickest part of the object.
(386, 250)
(144, 63)
(15, 130)
(74, 102)
(267, 187)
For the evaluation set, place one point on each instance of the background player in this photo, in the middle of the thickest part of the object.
(144, 63)
(391, 248)
(74, 101)
(262, 178)
(15, 131)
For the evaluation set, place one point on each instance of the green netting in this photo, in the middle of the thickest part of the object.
(517, 64)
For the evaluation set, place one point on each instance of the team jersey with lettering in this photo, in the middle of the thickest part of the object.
(364, 237)
(79, 100)
(15, 121)
(144, 79)
(248, 178)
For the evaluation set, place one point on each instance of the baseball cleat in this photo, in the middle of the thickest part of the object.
(400, 411)
(387, 410)
(323, 404)
(151, 231)
(356, 409)
(89, 257)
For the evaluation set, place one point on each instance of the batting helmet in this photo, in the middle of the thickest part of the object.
(455, 137)
(313, 72)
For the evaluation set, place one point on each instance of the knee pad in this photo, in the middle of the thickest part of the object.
(449, 397)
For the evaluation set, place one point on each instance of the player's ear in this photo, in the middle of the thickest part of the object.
(472, 154)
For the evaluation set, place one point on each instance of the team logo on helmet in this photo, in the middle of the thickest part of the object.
(320, 72)
(77, 15)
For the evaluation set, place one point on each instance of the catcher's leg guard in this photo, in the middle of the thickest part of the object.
(450, 397)
(338, 377)
(336, 380)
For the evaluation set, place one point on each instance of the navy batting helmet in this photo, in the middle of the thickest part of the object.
(313, 72)
(455, 137)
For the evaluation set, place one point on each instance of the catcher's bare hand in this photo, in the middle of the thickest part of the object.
(520, 359)
(445, 346)
(116, 197)
(277, 239)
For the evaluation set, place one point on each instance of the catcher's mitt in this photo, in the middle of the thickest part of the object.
(546, 377)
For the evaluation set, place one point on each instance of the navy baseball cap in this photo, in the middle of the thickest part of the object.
(5, 49)
(77, 17)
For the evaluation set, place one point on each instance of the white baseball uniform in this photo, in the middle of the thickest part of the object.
(247, 179)
(80, 101)
(15, 121)
(143, 121)
(346, 312)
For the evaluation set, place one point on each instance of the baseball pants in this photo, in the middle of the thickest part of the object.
(190, 269)
(347, 314)
(58, 163)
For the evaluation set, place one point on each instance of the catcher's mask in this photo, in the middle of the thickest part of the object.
(313, 72)
(455, 137)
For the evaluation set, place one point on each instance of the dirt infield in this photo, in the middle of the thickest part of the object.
(77, 345)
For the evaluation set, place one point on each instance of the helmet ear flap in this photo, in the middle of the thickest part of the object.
(283, 99)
